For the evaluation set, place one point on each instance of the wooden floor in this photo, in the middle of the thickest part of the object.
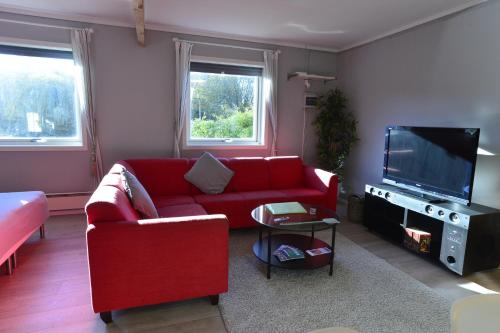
(49, 291)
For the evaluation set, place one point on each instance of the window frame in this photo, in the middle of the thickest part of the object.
(77, 143)
(258, 142)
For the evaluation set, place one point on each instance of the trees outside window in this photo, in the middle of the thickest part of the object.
(37, 100)
(225, 107)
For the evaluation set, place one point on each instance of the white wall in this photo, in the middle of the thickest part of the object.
(446, 73)
(135, 101)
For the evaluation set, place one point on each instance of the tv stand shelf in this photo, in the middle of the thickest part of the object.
(464, 238)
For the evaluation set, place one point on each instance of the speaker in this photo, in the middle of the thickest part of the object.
(474, 249)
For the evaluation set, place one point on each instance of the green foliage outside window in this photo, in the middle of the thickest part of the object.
(222, 106)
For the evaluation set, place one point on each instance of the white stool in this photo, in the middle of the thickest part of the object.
(474, 314)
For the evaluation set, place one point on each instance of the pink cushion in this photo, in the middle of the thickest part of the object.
(286, 172)
(250, 174)
(162, 176)
(170, 200)
(182, 210)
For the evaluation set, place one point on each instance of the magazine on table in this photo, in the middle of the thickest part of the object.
(285, 208)
(319, 251)
(287, 253)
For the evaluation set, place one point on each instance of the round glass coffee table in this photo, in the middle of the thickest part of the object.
(315, 218)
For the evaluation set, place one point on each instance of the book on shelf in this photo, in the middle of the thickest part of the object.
(287, 253)
(285, 208)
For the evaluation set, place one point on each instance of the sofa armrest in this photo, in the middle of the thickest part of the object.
(323, 181)
(135, 263)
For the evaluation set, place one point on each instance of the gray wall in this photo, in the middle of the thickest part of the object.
(446, 73)
(135, 101)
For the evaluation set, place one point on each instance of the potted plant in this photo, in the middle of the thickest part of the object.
(336, 130)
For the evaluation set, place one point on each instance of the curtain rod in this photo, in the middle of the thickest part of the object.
(175, 39)
(42, 25)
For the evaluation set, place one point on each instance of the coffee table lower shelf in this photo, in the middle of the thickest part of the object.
(260, 249)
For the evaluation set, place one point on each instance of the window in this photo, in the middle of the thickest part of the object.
(226, 107)
(37, 98)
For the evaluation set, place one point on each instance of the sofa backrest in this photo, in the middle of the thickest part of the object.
(109, 202)
(162, 176)
(250, 174)
(165, 176)
(285, 172)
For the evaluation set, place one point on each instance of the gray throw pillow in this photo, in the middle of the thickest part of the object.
(209, 175)
(138, 195)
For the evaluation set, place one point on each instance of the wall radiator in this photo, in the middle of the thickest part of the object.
(67, 203)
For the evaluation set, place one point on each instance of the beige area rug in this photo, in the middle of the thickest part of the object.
(365, 293)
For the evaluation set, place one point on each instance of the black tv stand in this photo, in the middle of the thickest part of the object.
(465, 239)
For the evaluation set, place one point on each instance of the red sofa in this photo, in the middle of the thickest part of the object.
(184, 254)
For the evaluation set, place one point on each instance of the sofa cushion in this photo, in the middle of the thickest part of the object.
(171, 200)
(139, 196)
(182, 210)
(108, 204)
(250, 174)
(285, 172)
(162, 176)
(209, 174)
(193, 190)
(216, 199)
(306, 195)
(225, 203)
(253, 199)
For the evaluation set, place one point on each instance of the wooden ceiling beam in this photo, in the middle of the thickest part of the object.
(139, 21)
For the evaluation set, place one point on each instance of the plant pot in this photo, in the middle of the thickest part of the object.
(355, 208)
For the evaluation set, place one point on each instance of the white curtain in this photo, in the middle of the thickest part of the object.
(270, 74)
(182, 91)
(80, 42)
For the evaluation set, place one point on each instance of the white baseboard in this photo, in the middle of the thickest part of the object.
(67, 203)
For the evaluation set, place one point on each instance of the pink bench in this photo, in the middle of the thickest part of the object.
(21, 214)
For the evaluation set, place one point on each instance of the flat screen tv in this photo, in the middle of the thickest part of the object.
(434, 161)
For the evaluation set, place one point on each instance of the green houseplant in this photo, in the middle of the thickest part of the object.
(336, 130)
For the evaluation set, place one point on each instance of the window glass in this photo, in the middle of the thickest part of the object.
(225, 104)
(37, 97)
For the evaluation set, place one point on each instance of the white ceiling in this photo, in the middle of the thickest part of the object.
(318, 24)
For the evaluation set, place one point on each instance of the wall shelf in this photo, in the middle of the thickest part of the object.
(306, 76)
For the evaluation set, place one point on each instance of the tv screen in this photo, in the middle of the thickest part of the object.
(435, 160)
